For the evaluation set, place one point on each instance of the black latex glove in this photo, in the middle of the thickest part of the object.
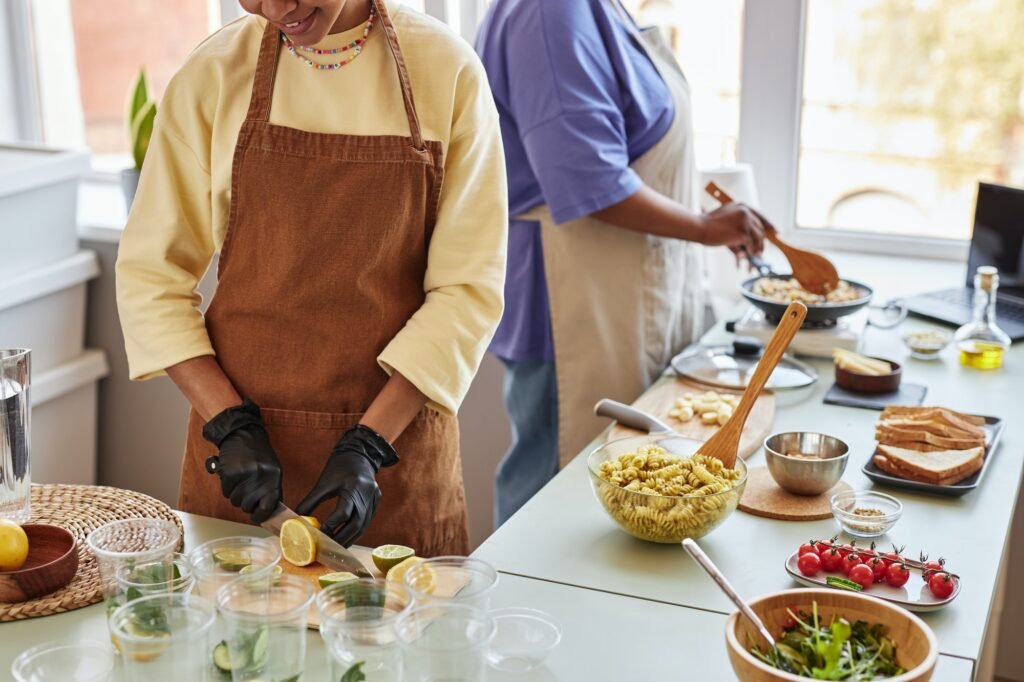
(250, 475)
(351, 476)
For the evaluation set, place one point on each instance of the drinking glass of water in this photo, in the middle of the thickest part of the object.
(15, 409)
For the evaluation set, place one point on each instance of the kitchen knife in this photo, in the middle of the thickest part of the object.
(328, 552)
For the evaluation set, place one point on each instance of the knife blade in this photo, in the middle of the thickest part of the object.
(328, 552)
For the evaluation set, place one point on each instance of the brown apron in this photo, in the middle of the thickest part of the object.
(322, 265)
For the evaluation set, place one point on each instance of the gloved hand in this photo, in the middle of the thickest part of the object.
(350, 475)
(250, 475)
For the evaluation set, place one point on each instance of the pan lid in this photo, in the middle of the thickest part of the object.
(731, 366)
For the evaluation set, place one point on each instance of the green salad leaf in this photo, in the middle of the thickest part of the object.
(354, 674)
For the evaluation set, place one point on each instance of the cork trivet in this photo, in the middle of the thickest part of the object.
(80, 509)
(661, 398)
(764, 497)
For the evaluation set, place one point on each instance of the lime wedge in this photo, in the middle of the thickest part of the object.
(328, 579)
(233, 560)
(387, 557)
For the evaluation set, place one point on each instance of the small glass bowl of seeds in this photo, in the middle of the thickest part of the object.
(927, 345)
(865, 513)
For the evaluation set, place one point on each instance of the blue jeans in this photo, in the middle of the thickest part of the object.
(531, 398)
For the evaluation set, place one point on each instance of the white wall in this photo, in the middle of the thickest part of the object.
(142, 425)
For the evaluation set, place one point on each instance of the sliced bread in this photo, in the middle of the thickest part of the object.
(933, 467)
(893, 469)
(941, 414)
(887, 433)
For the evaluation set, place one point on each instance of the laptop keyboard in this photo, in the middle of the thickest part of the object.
(1005, 309)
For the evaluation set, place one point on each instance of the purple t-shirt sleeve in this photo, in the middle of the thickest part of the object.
(566, 103)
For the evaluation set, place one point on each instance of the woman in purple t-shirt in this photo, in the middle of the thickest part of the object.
(605, 279)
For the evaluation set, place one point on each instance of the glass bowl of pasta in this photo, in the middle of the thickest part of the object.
(657, 488)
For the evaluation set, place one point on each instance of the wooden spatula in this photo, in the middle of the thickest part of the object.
(726, 442)
(814, 272)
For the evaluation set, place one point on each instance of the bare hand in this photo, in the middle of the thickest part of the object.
(736, 226)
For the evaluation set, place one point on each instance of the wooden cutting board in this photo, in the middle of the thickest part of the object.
(659, 401)
(314, 571)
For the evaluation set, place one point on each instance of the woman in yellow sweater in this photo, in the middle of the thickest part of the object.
(361, 233)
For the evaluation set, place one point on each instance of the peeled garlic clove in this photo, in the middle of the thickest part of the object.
(709, 417)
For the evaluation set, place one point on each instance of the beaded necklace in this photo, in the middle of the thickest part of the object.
(356, 47)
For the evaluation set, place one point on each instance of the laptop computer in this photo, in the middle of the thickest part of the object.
(998, 240)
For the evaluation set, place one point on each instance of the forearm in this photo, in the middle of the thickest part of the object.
(205, 385)
(394, 408)
(653, 213)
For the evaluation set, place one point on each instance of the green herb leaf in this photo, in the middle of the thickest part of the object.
(354, 674)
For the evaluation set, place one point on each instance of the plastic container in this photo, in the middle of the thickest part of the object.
(522, 640)
(64, 419)
(44, 310)
(38, 202)
(65, 661)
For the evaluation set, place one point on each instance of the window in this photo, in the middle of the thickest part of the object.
(906, 105)
(706, 37)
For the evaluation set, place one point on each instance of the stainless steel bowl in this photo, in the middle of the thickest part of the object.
(822, 466)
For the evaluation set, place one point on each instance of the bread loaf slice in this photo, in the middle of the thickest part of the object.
(887, 434)
(937, 467)
(934, 427)
(942, 414)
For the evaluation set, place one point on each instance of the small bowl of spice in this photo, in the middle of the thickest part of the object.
(865, 513)
(927, 345)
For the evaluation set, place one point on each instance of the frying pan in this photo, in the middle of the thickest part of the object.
(816, 312)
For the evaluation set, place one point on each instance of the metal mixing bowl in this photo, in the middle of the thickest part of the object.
(801, 476)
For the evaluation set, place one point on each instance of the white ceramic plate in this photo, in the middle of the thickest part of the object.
(914, 596)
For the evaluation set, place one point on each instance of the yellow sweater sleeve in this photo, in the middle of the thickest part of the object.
(440, 348)
(167, 246)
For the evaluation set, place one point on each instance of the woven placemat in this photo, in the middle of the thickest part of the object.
(80, 509)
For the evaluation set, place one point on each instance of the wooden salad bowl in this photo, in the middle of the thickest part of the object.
(916, 646)
(51, 564)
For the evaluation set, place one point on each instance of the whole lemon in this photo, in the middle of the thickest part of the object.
(13, 545)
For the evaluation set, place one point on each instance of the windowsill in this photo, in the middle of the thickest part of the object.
(102, 215)
(101, 211)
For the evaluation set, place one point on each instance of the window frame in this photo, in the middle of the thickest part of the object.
(771, 101)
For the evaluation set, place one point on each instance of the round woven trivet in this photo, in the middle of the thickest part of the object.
(764, 497)
(81, 509)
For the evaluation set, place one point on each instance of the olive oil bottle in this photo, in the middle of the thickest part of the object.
(981, 343)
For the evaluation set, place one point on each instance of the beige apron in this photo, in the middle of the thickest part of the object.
(622, 302)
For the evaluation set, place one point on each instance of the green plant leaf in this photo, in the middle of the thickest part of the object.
(137, 99)
(354, 674)
(142, 131)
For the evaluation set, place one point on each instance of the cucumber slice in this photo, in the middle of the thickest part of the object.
(222, 659)
(259, 655)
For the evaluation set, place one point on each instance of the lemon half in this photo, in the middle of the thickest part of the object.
(298, 546)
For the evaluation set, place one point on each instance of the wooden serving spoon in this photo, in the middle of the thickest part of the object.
(815, 273)
(725, 444)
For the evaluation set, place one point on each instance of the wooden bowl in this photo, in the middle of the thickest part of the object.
(916, 647)
(51, 564)
(864, 383)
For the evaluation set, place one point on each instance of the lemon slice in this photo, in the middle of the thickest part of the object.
(233, 560)
(328, 579)
(387, 557)
(426, 580)
(312, 520)
(298, 546)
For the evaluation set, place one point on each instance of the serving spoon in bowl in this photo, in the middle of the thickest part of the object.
(815, 273)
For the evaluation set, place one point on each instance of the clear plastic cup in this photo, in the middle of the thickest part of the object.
(64, 661)
(523, 638)
(444, 641)
(218, 562)
(164, 637)
(130, 542)
(264, 619)
(143, 580)
(458, 579)
(357, 624)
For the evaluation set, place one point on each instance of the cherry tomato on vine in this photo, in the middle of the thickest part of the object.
(822, 547)
(942, 584)
(807, 548)
(809, 564)
(862, 575)
(850, 560)
(846, 549)
(933, 567)
(832, 561)
(897, 575)
(878, 568)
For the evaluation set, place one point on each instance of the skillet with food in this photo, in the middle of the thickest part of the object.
(771, 293)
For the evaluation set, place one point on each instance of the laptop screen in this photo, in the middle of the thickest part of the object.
(998, 237)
